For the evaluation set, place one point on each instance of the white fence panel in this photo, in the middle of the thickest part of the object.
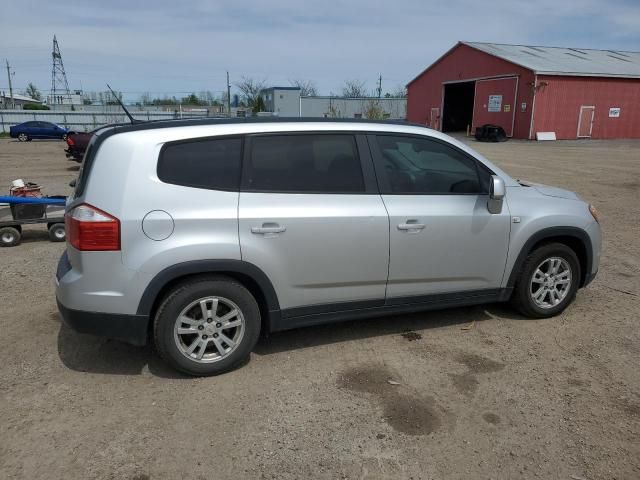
(85, 121)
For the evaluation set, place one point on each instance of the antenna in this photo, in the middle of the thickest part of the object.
(133, 120)
(59, 85)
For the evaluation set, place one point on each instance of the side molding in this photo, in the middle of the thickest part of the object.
(207, 266)
(548, 233)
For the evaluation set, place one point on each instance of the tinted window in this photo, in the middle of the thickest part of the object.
(304, 163)
(213, 164)
(416, 165)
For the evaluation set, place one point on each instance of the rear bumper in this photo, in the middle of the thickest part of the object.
(127, 328)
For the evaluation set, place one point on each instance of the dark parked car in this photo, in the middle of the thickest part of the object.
(77, 143)
(35, 129)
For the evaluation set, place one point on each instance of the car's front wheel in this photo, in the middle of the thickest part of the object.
(548, 281)
(207, 326)
(23, 137)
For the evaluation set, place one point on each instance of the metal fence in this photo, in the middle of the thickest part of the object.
(85, 121)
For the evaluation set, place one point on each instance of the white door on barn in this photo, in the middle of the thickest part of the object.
(585, 121)
(435, 118)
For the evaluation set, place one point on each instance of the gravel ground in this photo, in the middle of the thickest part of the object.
(476, 392)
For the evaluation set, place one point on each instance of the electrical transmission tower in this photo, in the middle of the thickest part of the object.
(59, 85)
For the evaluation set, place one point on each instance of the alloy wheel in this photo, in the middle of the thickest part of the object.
(209, 329)
(551, 282)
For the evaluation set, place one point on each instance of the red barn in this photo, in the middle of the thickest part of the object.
(574, 92)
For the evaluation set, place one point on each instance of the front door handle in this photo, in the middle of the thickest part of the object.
(411, 226)
(268, 228)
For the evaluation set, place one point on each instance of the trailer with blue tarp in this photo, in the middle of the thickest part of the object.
(17, 211)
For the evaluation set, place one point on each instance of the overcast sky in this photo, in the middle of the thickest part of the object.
(171, 47)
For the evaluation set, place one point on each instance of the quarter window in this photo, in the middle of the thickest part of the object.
(422, 166)
(212, 164)
(304, 163)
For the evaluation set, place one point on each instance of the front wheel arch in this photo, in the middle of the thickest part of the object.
(575, 238)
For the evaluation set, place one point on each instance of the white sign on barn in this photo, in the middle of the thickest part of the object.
(495, 103)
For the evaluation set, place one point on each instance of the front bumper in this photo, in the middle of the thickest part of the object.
(589, 278)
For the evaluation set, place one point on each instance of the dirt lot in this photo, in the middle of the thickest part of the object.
(482, 393)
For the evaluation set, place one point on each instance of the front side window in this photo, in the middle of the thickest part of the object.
(322, 163)
(422, 166)
(212, 164)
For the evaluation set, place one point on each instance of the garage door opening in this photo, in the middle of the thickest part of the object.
(458, 106)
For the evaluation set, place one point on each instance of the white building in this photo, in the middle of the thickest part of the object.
(18, 101)
(287, 102)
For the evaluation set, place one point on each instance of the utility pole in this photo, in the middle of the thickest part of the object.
(379, 86)
(228, 96)
(13, 105)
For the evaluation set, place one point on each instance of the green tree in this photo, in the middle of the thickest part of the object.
(258, 105)
(373, 110)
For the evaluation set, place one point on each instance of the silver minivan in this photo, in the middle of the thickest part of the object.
(200, 234)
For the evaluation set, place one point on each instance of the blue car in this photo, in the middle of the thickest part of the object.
(35, 129)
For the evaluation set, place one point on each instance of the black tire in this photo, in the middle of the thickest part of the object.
(522, 296)
(23, 137)
(64, 137)
(190, 291)
(57, 232)
(9, 237)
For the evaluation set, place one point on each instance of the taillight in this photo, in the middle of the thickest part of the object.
(89, 228)
(70, 141)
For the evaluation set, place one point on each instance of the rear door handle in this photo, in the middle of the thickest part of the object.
(268, 228)
(411, 226)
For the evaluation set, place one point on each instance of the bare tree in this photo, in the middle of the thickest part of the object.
(33, 92)
(399, 92)
(250, 89)
(354, 89)
(307, 87)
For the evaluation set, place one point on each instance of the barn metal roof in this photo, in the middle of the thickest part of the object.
(566, 61)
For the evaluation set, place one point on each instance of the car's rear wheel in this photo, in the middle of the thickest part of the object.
(9, 237)
(64, 137)
(548, 281)
(23, 137)
(207, 326)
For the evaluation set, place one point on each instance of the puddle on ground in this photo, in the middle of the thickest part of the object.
(403, 412)
(411, 335)
(479, 364)
(467, 383)
(491, 418)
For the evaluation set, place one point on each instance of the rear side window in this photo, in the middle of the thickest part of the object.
(211, 164)
(319, 163)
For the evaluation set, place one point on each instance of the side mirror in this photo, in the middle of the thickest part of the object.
(497, 191)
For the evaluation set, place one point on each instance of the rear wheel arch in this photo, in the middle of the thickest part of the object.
(575, 238)
(245, 273)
